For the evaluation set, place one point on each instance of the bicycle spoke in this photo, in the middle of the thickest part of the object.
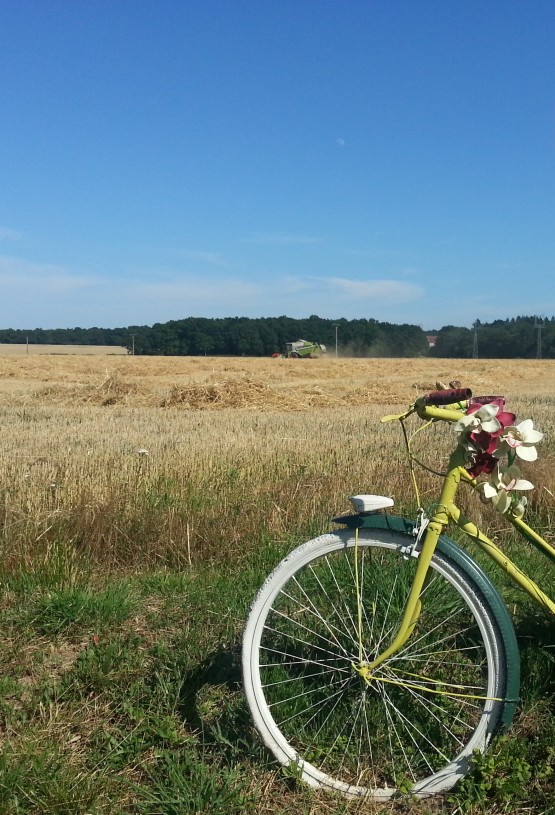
(308, 630)
(411, 729)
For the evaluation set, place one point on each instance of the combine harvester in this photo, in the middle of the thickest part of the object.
(302, 349)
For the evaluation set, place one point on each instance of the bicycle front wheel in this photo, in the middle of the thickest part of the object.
(413, 725)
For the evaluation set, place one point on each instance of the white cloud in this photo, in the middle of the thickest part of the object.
(346, 289)
(383, 291)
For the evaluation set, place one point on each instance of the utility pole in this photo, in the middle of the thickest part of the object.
(475, 342)
(538, 327)
(132, 345)
(336, 327)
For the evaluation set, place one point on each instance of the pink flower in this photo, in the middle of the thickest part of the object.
(480, 435)
(504, 418)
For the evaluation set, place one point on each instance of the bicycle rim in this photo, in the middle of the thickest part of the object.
(414, 725)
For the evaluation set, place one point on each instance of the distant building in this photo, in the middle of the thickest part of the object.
(431, 339)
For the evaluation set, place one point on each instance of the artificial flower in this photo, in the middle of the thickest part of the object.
(479, 432)
(482, 419)
(500, 489)
(520, 440)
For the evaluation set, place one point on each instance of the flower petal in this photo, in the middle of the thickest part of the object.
(522, 484)
(533, 436)
(503, 501)
(487, 412)
(488, 489)
(525, 426)
(491, 425)
(526, 453)
(506, 418)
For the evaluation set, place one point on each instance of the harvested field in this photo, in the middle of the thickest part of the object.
(215, 383)
(22, 349)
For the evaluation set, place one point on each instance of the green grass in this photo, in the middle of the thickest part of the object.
(123, 695)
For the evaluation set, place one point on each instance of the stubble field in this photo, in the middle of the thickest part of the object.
(256, 383)
(143, 500)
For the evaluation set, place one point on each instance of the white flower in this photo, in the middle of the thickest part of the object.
(520, 439)
(500, 489)
(482, 419)
(505, 501)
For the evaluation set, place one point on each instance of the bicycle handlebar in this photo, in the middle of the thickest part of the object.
(448, 405)
(446, 397)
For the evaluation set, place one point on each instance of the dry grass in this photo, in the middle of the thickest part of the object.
(258, 384)
(22, 349)
(153, 459)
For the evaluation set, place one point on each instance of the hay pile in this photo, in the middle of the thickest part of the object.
(230, 393)
(252, 394)
(111, 391)
(246, 393)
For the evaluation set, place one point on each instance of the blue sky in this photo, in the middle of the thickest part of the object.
(389, 159)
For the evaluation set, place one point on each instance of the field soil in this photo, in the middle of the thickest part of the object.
(208, 383)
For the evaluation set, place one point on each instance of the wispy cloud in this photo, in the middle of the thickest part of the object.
(19, 275)
(211, 258)
(226, 297)
(281, 238)
(194, 291)
(296, 284)
(8, 234)
(381, 291)
(376, 290)
(52, 295)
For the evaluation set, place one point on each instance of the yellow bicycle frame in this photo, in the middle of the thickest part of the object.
(445, 512)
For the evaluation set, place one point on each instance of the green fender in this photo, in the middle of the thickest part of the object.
(476, 574)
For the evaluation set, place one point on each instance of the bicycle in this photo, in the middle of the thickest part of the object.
(379, 657)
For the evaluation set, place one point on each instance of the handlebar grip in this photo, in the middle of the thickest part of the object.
(485, 400)
(447, 397)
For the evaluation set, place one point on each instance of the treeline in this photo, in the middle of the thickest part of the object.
(524, 337)
(520, 337)
(240, 336)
